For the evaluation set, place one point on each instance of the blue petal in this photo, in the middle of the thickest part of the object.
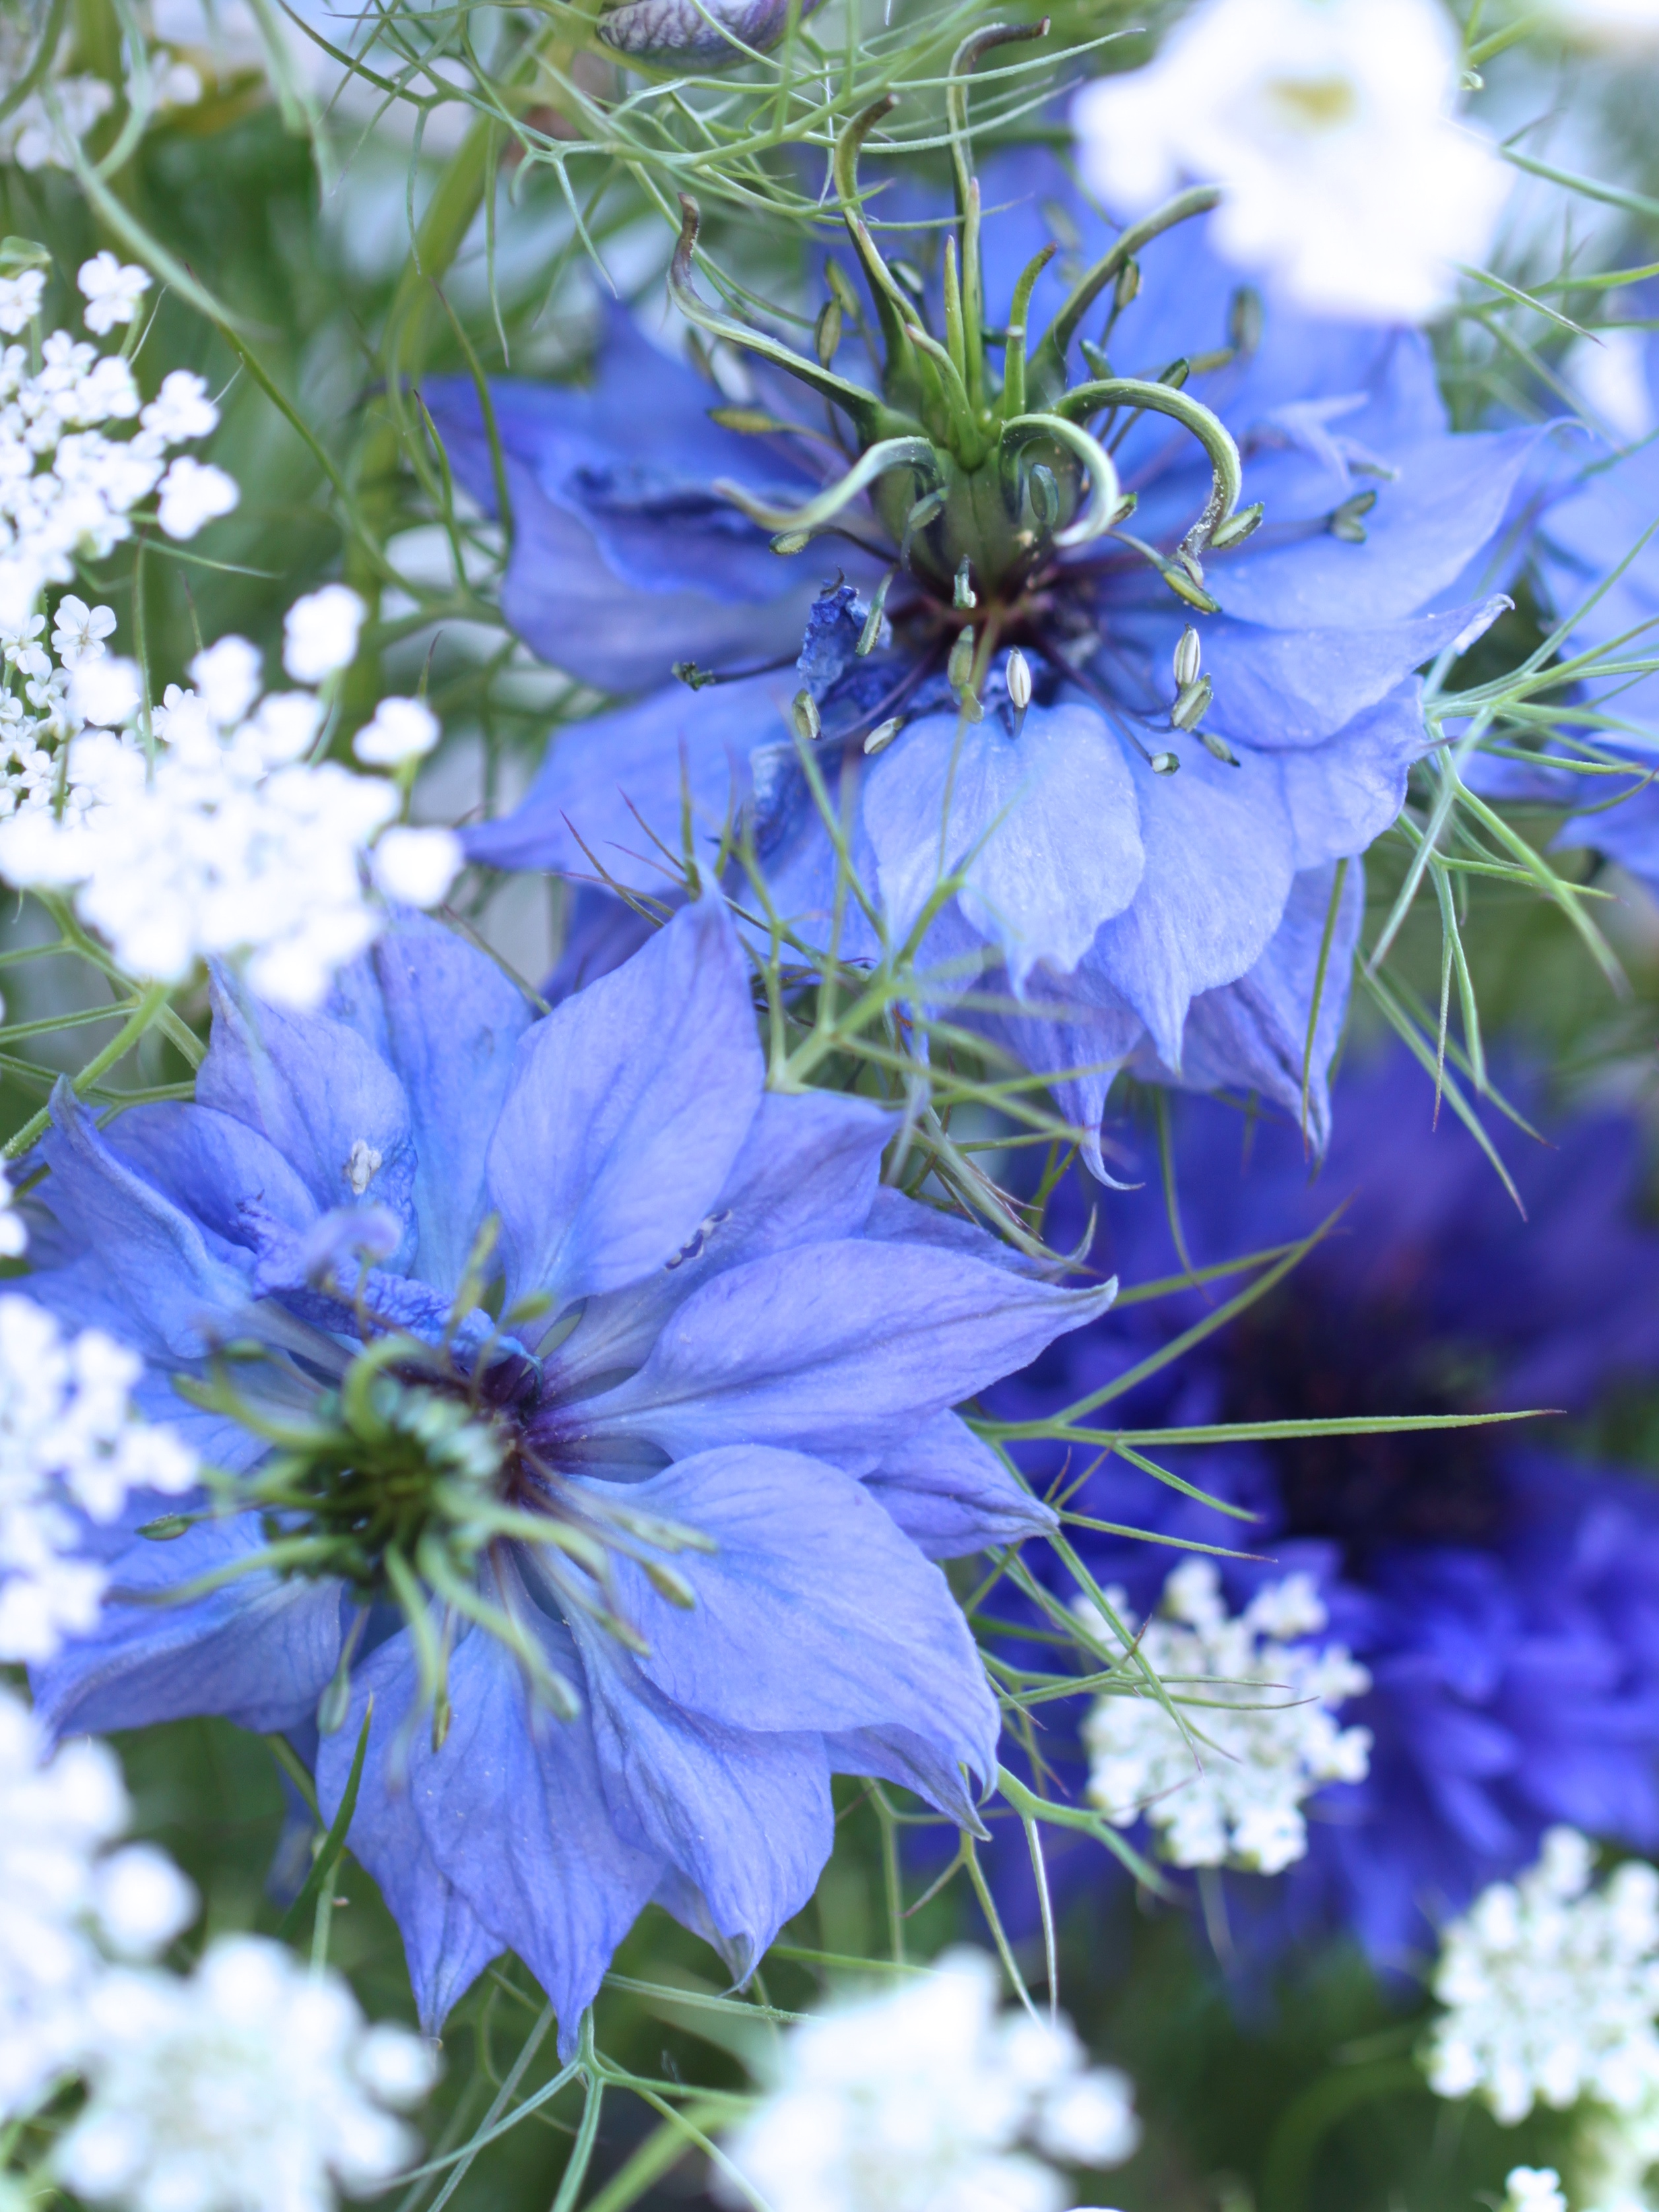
(896, 1754)
(314, 1088)
(746, 1817)
(447, 1945)
(1044, 827)
(513, 1814)
(629, 1105)
(606, 783)
(451, 1021)
(1451, 498)
(807, 1172)
(814, 1612)
(1339, 796)
(611, 492)
(158, 1272)
(260, 1651)
(832, 1347)
(1253, 1035)
(1218, 869)
(951, 1494)
(1282, 688)
(210, 1165)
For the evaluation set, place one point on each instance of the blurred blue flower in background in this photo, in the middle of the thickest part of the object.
(1149, 801)
(588, 1412)
(1503, 1595)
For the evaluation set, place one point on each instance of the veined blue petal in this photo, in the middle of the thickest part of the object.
(447, 1945)
(745, 1816)
(317, 1091)
(952, 795)
(814, 1612)
(951, 1494)
(832, 1347)
(259, 1651)
(628, 1106)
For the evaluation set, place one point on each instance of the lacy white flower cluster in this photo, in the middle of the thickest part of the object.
(1258, 1735)
(70, 1444)
(1551, 1988)
(1349, 184)
(919, 2101)
(229, 841)
(1533, 2189)
(34, 139)
(68, 488)
(251, 2085)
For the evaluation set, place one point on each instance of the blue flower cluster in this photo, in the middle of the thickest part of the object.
(1503, 1594)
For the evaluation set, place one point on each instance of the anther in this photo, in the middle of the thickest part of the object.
(362, 1166)
(1237, 528)
(1187, 657)
(1164, 763)
(1096, 359)
(1018, 679)
(1218, 750)
(1191, 700)
(931, 505)
(959, 669)
(803, 713)
(1244, 320)
(1344, 522)
(870, 636)
(884, 733)
(693, 678)
(1127, 287)
(963, 595)
(791, 541)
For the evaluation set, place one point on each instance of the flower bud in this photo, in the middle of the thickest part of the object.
(1187, 657)
(674, 33)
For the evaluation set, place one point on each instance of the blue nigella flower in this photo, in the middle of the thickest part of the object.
(588, 1408)
(1502, 1595)
(1146, 731)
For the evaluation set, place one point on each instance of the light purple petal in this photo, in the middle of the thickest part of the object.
(628, 1107)
(835, 1349)
(815, 1611)
(951, 1494)
(1052, 815)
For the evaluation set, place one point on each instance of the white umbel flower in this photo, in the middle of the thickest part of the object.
(1533, 2189)
(68, 1897)
(1351, 187)
(112, 291)
(926, 2100)
(252, 2087)
(1551, 1988)
(1260, 1737)
(319, 633)
(70, 1445)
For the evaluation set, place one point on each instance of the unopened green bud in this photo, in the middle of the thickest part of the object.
(1019, 680)
(1344, 522)
(964, 596)
(1191, 702)
(1213, 745)
(883, 734)
(1188, 650)
(803, 713)
(827, 337)
(841, 287)
(1128, 285)
(1165, 763)
(1237, 528)
(960, 667)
